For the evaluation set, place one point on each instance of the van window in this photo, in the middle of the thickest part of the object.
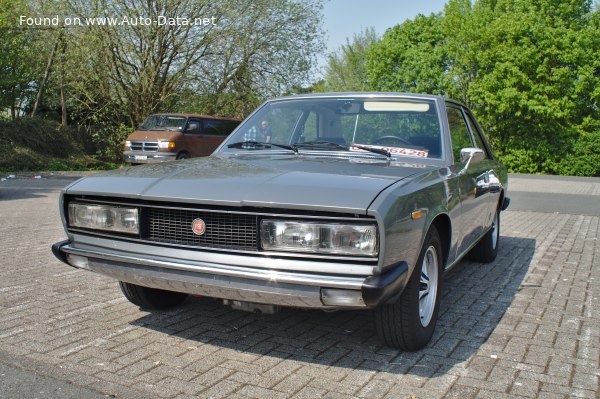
(212, 126)
(230, 125)
(194, 126)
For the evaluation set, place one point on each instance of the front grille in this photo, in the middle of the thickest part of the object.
(146, 146)
(223, 230)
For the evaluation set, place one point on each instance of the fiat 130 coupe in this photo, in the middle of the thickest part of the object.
(331, 201)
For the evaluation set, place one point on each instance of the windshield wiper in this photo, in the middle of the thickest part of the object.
(252, 143)
(320, 144)
(381, 151)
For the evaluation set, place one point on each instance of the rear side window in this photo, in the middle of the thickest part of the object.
(459, 133)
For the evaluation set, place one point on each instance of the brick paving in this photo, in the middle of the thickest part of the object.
(527, 325)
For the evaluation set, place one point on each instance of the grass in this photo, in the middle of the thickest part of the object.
(35, 144)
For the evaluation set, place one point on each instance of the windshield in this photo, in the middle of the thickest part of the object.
(399, 127)
(164, 122)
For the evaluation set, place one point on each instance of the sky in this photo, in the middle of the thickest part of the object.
(343, 18)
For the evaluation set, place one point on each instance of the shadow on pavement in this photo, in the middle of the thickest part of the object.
(17, 189)
(475, 296)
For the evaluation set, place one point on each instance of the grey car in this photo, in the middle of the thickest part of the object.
(331, 201)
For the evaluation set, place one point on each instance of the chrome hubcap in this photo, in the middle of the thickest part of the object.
(428, 286)
(495, 231)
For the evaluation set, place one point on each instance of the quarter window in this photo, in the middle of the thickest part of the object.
(459, 132)
(476, 135)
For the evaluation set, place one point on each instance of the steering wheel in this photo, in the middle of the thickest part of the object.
(392, 138)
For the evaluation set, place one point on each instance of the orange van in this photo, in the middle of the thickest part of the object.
(164, 137)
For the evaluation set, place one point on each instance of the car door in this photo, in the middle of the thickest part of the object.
(493, 184)
(473, 182)
(193, 137)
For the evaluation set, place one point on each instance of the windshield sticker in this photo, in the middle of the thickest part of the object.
(392, 163)
(411, 152)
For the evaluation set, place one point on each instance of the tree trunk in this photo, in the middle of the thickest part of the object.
(40, 93)
(63, 99)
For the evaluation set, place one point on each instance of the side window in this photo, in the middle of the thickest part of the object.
(214, 126)
(476, 135)
(193, 126)
(459, 132)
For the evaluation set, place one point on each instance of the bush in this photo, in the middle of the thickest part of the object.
(584, 160)
(39, 144)
(109, 141)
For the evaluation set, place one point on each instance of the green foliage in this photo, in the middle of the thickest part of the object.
(584, 160)
(110, 141)
(410, 57)
(346, 69)
(39, 135)
(38, 144)
(528, 69)
(19, 60)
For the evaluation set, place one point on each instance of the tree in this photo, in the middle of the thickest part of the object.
(411, 57)
(526, 68)
(18, 60)
(254, 49)
(530, 75)
(346, 68)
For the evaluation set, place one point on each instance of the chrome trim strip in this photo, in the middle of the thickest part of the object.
(274, 276)
(257, 252)
(243, 260)
(282, 215)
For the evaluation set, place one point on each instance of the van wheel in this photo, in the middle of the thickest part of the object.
(182, 155)
(151, 298)
(408, 324)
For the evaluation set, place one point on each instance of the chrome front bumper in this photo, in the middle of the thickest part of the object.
(226, 281)
(148, 157)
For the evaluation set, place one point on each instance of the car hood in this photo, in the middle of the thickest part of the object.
(286, 181)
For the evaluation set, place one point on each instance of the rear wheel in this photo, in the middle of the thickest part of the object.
(408, 324)
(151, 298)
(487, 248)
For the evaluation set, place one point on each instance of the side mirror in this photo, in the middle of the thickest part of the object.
(470, 155)
(476, 155)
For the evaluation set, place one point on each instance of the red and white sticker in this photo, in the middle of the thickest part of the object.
(396, 150)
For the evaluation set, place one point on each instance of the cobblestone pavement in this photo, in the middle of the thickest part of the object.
(526, 325)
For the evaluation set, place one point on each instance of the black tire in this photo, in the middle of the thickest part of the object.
(400, 325)
(486, 249)
(151, 298)
(182, 155)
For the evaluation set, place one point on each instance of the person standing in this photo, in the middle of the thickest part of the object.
(266, 131)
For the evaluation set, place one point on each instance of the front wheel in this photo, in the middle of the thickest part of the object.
(408, 324)
(182, 155)
(151, 298)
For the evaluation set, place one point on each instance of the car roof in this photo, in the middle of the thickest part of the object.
(197, 116)
(361, 94)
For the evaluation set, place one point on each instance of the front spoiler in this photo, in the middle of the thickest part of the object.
(281, 288)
